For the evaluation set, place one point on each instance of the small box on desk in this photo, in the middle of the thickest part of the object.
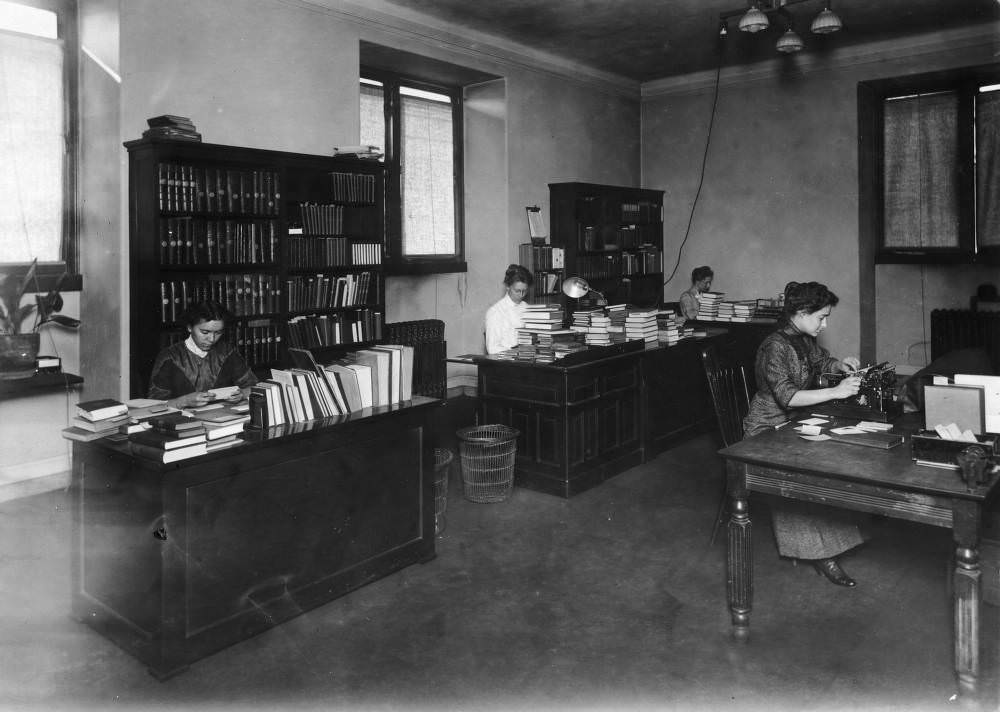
(930, 449)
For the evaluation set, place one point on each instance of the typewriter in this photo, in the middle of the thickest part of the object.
(875, 400)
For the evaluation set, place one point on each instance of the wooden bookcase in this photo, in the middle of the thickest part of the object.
(612, 237)
(293, 244)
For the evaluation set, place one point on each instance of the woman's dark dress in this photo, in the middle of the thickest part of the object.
(788, 362)
(178, 371)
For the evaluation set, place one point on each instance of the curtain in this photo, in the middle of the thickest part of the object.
(428, 182)
(988, 169)
(372, 116)
(921, 171)
(32, 147)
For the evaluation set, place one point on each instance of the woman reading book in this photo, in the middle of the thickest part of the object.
(504, 318)
(789, 363)
(184, 373)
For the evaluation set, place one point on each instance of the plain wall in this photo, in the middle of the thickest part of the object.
(779, 200)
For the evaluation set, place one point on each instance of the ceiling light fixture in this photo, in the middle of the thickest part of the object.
(758, 15)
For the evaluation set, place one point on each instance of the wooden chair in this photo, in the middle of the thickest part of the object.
(727, 383)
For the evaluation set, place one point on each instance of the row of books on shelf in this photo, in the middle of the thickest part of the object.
(548, 284)
(324, 291)
(541, 257)
(321, 219)
(645, 261)
(211, 189)
(309, 252)
(609, 239)
(197, 241)
(353, 187)
(593, 209)
(241, 294)
(641, 212)
(378, 376)
(352, 327)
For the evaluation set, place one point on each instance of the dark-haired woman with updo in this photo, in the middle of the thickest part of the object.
(184, 372)
(789, 363)
(504, 318)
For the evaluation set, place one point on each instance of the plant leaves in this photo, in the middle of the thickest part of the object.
(62, 320)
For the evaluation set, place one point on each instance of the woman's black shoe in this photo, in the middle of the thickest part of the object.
(831, 569)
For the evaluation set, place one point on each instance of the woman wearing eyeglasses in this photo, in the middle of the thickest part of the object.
(504, 318)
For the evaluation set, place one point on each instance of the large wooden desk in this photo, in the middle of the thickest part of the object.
(864, 479)
(591, 416)
(175, 562)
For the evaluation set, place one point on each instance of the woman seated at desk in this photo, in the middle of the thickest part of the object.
(690, 301)
(789, 363)
(184, 372)
(504, 318)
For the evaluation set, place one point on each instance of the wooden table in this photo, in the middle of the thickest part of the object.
(864, 479)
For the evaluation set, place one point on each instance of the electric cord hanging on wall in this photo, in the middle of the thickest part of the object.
(701, 178)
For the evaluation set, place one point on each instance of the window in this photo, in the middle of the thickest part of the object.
(37, 137)
(419, 126)
(930, 166)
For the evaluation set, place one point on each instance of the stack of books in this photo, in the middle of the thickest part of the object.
(593, 323)
(222, 427)
(669, 327)
(735, 311)
(616, 329)
(175, 127)
(641, 325)
(708, 305)
(171, 437)
(366, 151)
(542, 317)
(96, 419)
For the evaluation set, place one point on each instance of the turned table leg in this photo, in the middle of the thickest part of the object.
(739, 582)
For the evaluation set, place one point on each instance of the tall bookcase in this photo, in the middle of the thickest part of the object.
(292, 244)
(612, 237)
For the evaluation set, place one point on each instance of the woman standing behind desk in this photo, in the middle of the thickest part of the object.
(184, 372)
(789, 362)
(504, 318)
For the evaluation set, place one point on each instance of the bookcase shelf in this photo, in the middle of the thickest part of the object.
(250, 228)
(612, 236)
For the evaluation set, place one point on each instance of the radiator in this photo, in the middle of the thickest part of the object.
(964, 329)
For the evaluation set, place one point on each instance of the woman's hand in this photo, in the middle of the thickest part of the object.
(846, 388)
(191, 400)
(850, 364)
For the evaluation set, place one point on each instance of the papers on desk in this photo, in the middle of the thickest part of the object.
(814, 421)
(815, 438)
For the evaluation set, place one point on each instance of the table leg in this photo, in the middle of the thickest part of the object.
(739, 583)
(967, 596)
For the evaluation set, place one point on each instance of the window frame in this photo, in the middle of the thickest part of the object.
(871, 165)
(69, 263)
(397, 263)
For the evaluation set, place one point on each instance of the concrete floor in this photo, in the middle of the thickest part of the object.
(611, 600)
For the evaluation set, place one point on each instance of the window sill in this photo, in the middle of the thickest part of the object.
(420, 267)
(38, 384)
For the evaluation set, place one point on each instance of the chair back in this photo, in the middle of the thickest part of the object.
(727, 383)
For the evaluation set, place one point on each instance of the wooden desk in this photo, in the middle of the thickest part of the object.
(595, 414)
(175, 562)
(864, 479)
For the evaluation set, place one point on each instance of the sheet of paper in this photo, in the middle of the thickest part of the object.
(809, 429)
(874, 425)
(847, 430)
(815, 438)
(991, 389)
(814, 421)
(224, 392)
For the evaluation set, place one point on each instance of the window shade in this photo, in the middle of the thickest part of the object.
(988, 169)
(32, 144)
(921, 171)
(428, 183)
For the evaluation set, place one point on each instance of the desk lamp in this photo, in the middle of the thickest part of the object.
(577, 288)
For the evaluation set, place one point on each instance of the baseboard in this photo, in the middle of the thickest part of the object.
(32, 478)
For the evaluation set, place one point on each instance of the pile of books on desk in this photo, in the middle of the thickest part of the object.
(736, 311)
(593, 324)
(96, 419)
(172, 437)
(670, 328)
(175, 127)
(641, 325)
(617, 313)
(708, 305)
(542, 317)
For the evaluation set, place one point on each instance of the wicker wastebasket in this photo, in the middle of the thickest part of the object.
(442, 468)
(487, 453)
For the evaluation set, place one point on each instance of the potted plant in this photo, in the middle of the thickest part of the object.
(19, 346)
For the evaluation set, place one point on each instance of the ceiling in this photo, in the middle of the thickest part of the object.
(646, 40)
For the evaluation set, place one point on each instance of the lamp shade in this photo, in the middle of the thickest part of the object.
(575, 287)
(754, 20)
(826, 22)
(789, 42)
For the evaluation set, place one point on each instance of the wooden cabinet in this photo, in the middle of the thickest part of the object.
(292, 244)
(612, 237)
(175, 562)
